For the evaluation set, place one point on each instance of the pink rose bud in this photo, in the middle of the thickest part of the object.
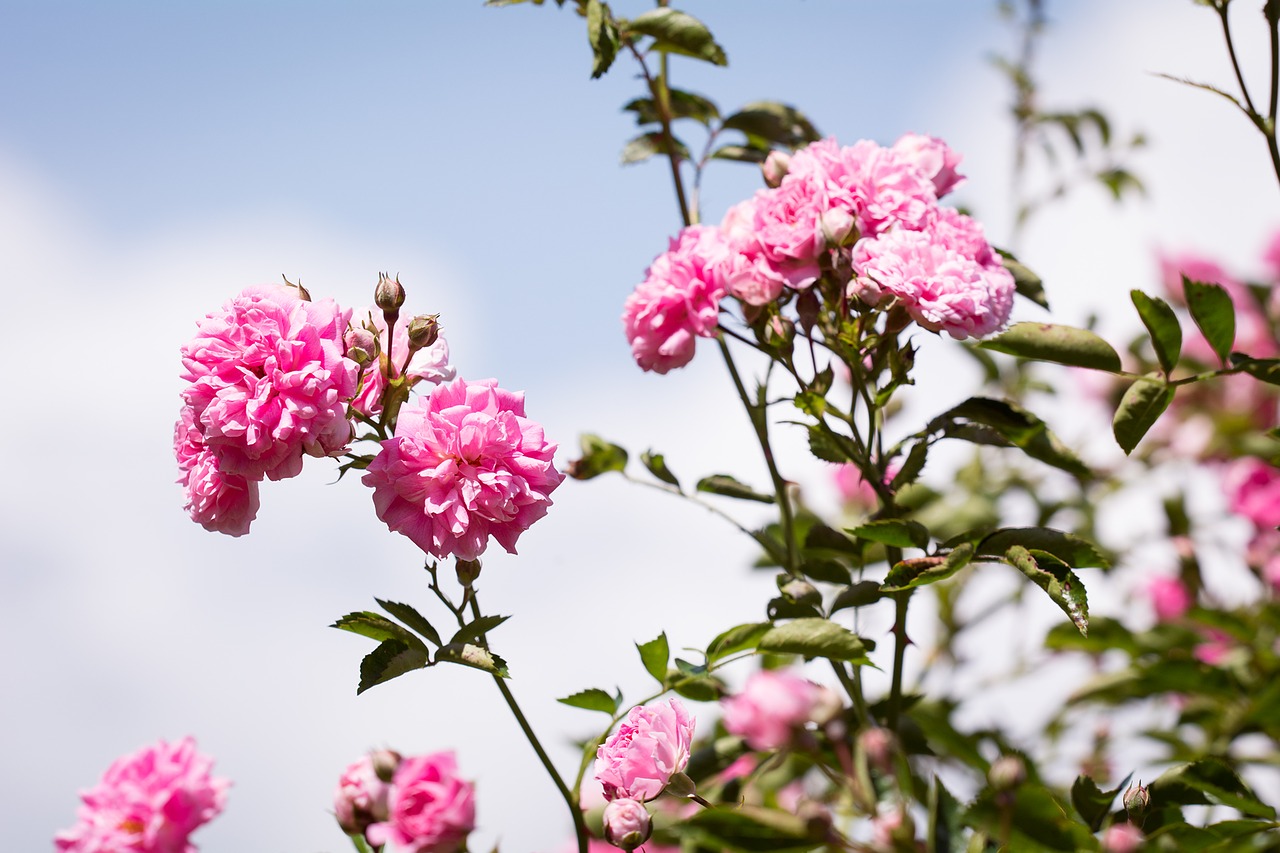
(362, 346)
(385, 763)
(627, 824)
(878, 744)
(361, 797)
(423, 331)
(1121, 838)
(838, 227)
(389, 294)
(1169, 598)
(1136, 800)
(430, 809)
(1007, 772)
(775, 167)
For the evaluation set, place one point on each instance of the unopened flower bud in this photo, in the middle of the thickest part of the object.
(468, 571)
(362, 346)
(681, 785)
(627, 824)
(1007, 772)
(389, 294)
(302, 291)
(780, 332)
(775, 167)
(1136, 800)
(423, 331)
(1122, 838)
(878, 744)
(385, 763)
(827, 706)
(837, 227)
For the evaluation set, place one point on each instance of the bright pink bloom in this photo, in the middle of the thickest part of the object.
(627, 823)
(651, 746)
(465, 464)
(361, 797)
(1122, 838)
(941, 289)
(771, 707)
(1169, 597)
(933, 158)
(269, 381)
(1215, 648)
(431, 809)
(1253, 490)
(429, 364)
(222, 503)
(147, 802)
(853, 488)
(678, 302)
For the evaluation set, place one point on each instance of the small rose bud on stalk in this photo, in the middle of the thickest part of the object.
(468, 571)
(1007, 772)
(775, 167)
(362, 346)
(627, 824)
(1136, 800)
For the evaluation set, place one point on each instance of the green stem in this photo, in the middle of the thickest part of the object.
(662, 103)
(900, 641)
(1267, 124)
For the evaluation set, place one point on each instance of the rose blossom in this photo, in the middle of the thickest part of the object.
(627, 823)
(222, 503)
(933, 158)
(360, 798)
(1169, 597)
(269, 381)
(431, 809)
(464, 464)
(147, 802)
(650, 747)
(771, 706)
(1122, 838)
(1253, 490)
(430, 364)
(678, 302)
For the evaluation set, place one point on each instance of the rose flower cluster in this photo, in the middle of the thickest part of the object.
(865, 208)
(418, 804)
(274, 377)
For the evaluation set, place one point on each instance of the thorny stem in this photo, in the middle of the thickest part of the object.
(1266, 124)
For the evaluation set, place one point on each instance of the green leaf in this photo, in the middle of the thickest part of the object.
(740, 153)
(698, 688)
(1093, 803)
(1055, 578)
(895, 532)
(860, 594)
(681, 104)
(1026, 283)
(926, 570)
(412, 618)
(1075, 551)
(1263, 369)
(815, 638)
(750, 829)
(1013, 425)
(390, 659)
(647, 145)
(598, 457)
(1207, 782)
(1162, 324)
(654, 655)
(1058, 344)
(678, 32)
(477, 629)
(723, 484)
(737, 639)
(945, 830)
(657, 466)
(602, 33)
(830, 446)
(1141, 406)
(1039, 821)
(378, 627)
(473, 656)
(773, 123)
(592, 699)
(1214, 313)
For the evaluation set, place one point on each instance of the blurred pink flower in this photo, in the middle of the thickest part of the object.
(1122, 838)
(361, 797)
(853, 488)
(221, 503)
(431, 809)
(1169, 597)
(1197, 268)
(772, 705)
(269, 381)
(1271, 258)
(678, 302)
(1252, 487)
(1215, 648)
(651, 746)
(429, 364)
(147, 802)
(933, 159)
(464, 464)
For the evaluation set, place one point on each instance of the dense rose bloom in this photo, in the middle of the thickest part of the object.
(1122, 838)
(147, 802)
(933, 158)
(431, 809)
(222, 503)
(771, 706)
(1169, 597)
(360, 798)
(430, 364)
(1253, 490)
(269, 381)
(941, 289)
(678, 302)
(627, 823)
(464, 464)
(651, 745)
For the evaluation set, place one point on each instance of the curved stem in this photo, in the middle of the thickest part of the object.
(661, 103)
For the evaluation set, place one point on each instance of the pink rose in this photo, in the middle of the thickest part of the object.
(1253, 490)
(1169, 597)
(882, 188)
(933, 159)
(147, 802)
(464, 464)
(650, 747)
(627, 823)
(771, 707)
(1122, 838)
(1213, 651)
(222, 503)
(269, 381)
(431, 809)
(678, 302)
(361, 797)
(429, 364)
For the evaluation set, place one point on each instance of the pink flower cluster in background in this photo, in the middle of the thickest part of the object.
(417, 804)
(772, 706)
(879, 203)
(650, 746)
(147, 802)
(268, 384)
(465, 464)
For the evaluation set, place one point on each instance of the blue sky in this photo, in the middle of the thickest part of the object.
(157, 157)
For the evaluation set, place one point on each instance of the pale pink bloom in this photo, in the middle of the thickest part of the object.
(429, 364)
(942, 290)
(741, 767)
(1213, 651)
(147, 802)
(963, 235)
(361, 797)
(651, 746)
(627, 823)
(678, 302)
(883, 826)
(222, 503)
(854, 490)
(1263, 556)
(772, 705)
(269, 381)
(598, 845)
(431, 809)
(933, 158)
(464, 464)
(1169, 596)
(1252, 487)
(1122, 838)
(1197, 268)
